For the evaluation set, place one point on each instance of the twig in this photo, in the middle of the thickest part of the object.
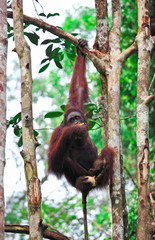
(128, 117)
(100, 228)
(130, 176)
(43, 129)
(152, 82)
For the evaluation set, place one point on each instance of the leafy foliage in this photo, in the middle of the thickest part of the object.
(14, 122)
(16, 211)
(82, 20)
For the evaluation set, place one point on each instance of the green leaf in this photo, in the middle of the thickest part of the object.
(49, 52)
(56, 40)
(11, 121)
(67, 44)
(44, 68)
(17, 131)
(10, 35)
(75, 34)
(26, 25)
(63, 107)
(55, 52)
(53, 114)
(9, 28)
(52, 15)
(33, 37)
(14, 120)
(20, 142)
(7, 123)
(58, 64)
(42, 14)
(44, 60)
(91, 124)
(46, 41)
(17, 118)
(35, 133)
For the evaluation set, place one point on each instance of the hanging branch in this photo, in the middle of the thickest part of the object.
(29, 144)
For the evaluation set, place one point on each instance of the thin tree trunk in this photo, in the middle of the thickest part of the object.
(125, 211)
(3, 63)
(114, 123)
(143, 165)
(29, 143)
(101, 44)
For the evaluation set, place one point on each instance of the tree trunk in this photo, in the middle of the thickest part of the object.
(101, 44)
(29, 143)
(143, 165)
(113, 77)
(109, 45)
(3, 64)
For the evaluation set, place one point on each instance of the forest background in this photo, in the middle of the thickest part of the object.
(50, 93)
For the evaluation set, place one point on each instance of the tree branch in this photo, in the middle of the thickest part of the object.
(100, 228)
(127, 53)
(127, 117)
(50, 28)
(149, 99)
(130, 175)
(94, 55)
(25, 229)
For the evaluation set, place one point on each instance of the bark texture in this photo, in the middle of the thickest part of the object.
(101, 44)
(144, 43)
(114, 122)
(3, 63)
(112, 59)
(29, 143)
